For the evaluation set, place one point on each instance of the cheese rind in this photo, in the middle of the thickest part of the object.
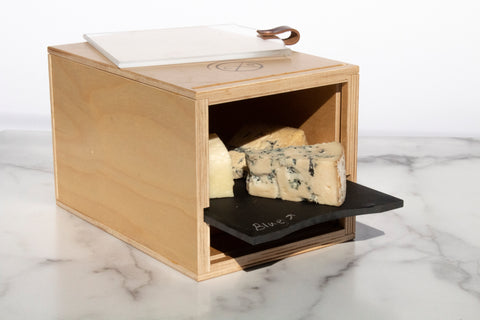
(314, 173)
(260, 137)
(220, 169)
(238, 163)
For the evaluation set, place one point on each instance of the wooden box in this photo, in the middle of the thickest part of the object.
(131, 146)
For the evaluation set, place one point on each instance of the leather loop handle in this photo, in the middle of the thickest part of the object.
(271, 34)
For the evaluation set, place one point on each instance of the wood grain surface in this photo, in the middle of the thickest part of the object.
(222, 81)
(126, 155)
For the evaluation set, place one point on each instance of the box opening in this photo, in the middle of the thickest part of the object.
(317, 112)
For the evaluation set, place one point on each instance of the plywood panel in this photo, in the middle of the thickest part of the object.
(205, 75)
(349, 136)
(126, 156)
(349, 125)
(223, 81)
(202, 185)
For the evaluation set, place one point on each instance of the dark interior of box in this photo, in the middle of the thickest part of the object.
(223, 244)
(313, 110)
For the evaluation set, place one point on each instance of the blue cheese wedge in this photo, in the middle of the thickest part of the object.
(220, 169)
(314, 173)
(260, 137)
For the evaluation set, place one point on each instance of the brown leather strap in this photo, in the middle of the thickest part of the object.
(271, 34)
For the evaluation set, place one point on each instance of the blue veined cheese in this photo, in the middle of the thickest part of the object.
(314, 173)
(220, 169)
(263, 185)
(259, 137)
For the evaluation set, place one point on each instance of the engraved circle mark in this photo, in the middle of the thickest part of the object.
(239, 66)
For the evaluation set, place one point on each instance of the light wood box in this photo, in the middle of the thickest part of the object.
(131, 146)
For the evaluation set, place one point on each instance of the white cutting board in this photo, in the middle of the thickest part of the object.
(184, 45)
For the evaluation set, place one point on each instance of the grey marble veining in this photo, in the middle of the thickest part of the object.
(418, 262)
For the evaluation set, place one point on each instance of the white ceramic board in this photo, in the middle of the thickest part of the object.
(184, 45)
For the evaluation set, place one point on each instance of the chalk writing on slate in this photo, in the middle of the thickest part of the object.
(260, 226)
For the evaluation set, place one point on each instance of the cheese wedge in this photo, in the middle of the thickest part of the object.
(259, 137)
(220, 169)
(314, 173)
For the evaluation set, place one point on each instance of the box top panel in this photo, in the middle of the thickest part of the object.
(222, 81)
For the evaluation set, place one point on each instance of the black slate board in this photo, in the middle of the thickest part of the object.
(258, 220)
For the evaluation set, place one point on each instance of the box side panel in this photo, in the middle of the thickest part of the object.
(203, 192)
(126, 157)
(349, 124)
(349, 134)
(53, 123)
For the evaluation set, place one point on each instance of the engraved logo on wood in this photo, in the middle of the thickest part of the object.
(236, 66)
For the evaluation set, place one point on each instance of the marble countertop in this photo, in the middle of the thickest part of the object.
(418, 262)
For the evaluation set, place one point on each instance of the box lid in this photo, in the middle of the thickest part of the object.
(221, 81)
(143, 48)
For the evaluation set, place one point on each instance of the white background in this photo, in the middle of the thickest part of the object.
(419, 60)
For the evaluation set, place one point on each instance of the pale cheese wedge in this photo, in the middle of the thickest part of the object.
(220, 169)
